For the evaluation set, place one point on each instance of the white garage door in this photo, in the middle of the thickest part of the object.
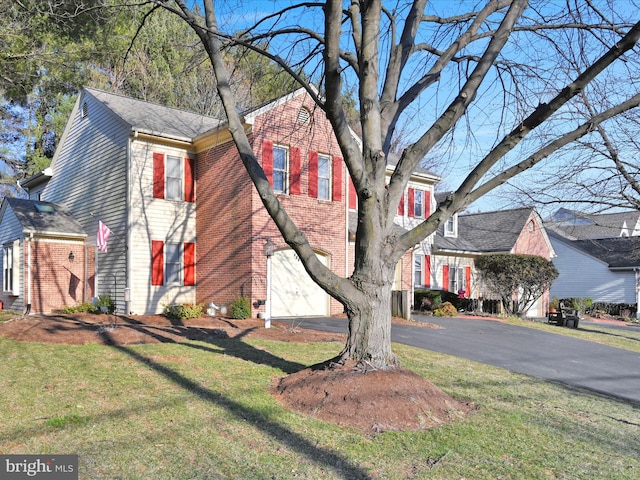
(293, 293)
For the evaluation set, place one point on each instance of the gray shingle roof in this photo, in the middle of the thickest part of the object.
(582, 226)
(621, 252)
(155, 119)
(45, 218)
(488, 232)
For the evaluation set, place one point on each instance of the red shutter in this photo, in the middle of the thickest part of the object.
(401, 206)
(353, 197)
(294, 181)
(445, 277)
(467, 282)
(157, 262)
(427, 270)
(189, 264)
(337, 179)
(267, 160)
(313, 174)
(411, 202)
(189, 185)
(427, 203)
(158, 175)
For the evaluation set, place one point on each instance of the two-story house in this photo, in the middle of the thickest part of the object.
(186, 223)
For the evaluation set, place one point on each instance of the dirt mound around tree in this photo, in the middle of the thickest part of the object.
(369, 400)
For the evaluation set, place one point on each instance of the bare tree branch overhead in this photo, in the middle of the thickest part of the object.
(513, 76)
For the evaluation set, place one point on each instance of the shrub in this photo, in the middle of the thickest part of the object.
(81, 308)
(446, 310)
(241, 308)
(105, 301)
(182, 312)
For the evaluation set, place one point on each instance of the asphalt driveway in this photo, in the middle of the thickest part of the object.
(606, 370)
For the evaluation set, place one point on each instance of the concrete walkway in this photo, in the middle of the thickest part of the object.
(606, 370)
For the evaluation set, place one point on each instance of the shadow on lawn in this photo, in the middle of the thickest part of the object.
(341, 465)
(232, 346)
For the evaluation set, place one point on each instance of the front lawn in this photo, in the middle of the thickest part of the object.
(201, 410)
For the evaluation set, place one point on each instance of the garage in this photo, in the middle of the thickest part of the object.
(293, 293)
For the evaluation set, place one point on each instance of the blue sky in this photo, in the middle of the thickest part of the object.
(462, 154)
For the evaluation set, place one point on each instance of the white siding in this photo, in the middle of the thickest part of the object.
(581, 275)
(90, 178)
(155, 219)
(11, 232)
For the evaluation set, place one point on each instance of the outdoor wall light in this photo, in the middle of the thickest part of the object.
(72, 257)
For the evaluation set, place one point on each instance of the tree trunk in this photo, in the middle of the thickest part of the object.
(369, 340)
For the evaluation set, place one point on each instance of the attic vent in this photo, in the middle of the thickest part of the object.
(304, 116)
(85, 110)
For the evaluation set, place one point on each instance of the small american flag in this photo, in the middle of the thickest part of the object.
(103, 236)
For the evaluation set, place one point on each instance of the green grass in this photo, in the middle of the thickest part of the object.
(628, 339)
(203, 411)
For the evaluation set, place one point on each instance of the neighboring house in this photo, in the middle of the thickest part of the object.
(465, 237)
(598, 255)
(187, 224)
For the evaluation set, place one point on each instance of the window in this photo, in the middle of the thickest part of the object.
(418, 203)
(7, 266)
(172, 263)
(451, 226)
(280, 169)
(174, 177)
(456, 279)
(418, 270)
(324, 177)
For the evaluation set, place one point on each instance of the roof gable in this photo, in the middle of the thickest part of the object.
(488, 232)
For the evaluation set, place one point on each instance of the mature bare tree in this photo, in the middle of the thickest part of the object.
(498, 64)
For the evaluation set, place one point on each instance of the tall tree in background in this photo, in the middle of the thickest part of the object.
(50, 49)
(472, 66)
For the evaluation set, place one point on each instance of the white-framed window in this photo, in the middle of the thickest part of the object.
(418, 270)
(280, 169)
(451, 226)
(173, 263)
(418, 203)
(456, 279)
(324, 177)
(174, 177)
(7, 268)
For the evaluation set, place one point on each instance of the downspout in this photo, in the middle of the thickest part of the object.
(128, 236)
(29, 274)
(637, 272)
(346, 225)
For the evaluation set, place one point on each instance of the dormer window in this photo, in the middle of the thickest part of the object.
(451, 226)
